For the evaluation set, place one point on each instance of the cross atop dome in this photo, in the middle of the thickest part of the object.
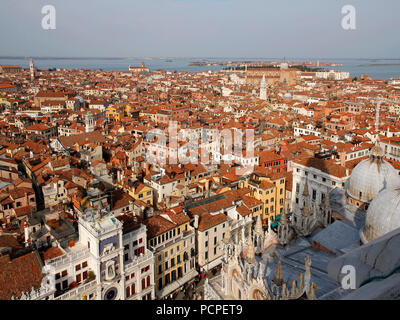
(376, 154)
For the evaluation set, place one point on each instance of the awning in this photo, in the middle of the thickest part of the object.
(211, 264)
(176, 284)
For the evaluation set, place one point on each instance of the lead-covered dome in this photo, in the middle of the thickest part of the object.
(383, 215)
(371, 176)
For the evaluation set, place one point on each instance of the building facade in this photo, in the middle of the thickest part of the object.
(110, 261)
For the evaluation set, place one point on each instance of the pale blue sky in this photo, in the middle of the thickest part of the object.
(201, 28)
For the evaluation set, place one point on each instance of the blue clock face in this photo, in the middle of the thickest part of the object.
(111, 294)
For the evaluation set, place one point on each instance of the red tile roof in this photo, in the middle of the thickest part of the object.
(19, 275)
(52, 253)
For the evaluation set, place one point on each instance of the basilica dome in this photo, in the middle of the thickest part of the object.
(371, 176)
(383, 215)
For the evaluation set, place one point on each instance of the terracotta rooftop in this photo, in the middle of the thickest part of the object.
(208, 221)
(89, 137)
(327, 166)
(157, 225)
(19, 275)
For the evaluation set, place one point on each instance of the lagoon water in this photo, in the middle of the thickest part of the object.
(375, 68)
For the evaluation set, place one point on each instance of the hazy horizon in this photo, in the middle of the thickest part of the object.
(194, 57)
(235, 29)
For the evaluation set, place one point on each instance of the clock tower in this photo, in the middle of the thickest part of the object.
(103, 233)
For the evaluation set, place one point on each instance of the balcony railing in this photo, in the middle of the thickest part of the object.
(77, 291)
(67, 258)
(139, 259)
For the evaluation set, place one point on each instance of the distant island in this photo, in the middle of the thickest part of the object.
(252, 64)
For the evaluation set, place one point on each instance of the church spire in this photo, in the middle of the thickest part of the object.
(306, 209)
(250, 252)
(250, 249)
(278, 274)
(258, 228)
(306, 193)
(263, 88)
(32, 69)
(378, 106)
